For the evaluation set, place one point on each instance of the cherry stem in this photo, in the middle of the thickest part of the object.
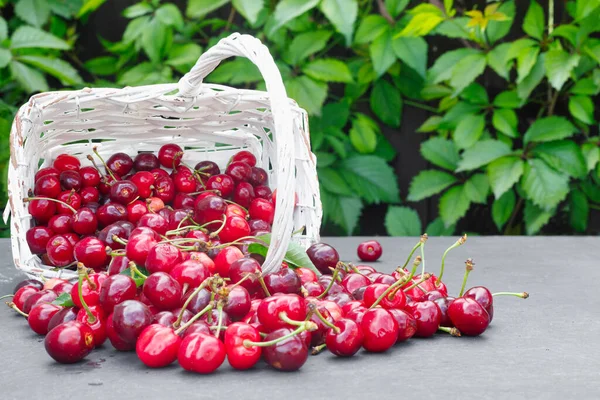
(411, 254)
(136, 271)
(306, 326)
(27, 199)
(246, 276)
(237, 241)
(522, 295)
(14, 307)
(119, 240)
(317, 349)
(194, 318)
(416, 263)
(387, 291)
(188, 301)
(325, 320)
(7, 296)
(469, 267)
(459, 242)
(328, 288)
(263, 285)
(95, 150)
(82, 272)
(89, 157)
(215, 233)
(184, 229)
(220, 323)
(423, 253)
(417, 283)
(236, 204)
(283, 316)
(452, 331)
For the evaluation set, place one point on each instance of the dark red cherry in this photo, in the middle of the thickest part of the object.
(145, 162)
(90, 177)
(239, 171)
(138, 247)
(42, 210)
(354, 281)
(210, 209)
(222, 183)
(117, 265)
(37, 298)
(116, 289)
(443, 302)
(283, 281)
(66, 162)
(157, 346)
(37, 239)
(110, 213)
(244, 156)
(123, 192)
(69, 342)
(263, 192)
(407, 325)
(199, 301)
(46, 171)
(369, 250)
(40, 316)
(347, 341)
(164, 189)
(242, 267)
(29, 283)
(130, 318)
(258, 177)
(163, 291)
(121, 229)
(70, 180)
(91, 252)
(287, 355)
(258, 225)
(183, 201)
(243, 194)
(323, 257)
(483, 296)
(65, 315)
(468, 316)
(120, 163)
(262, 209)
(380, 330)
(60, 251)
(114, 338)
(169, 155)
(47, 186)
(162, 258)
(207, 168)
(144, 181)
(428, 317)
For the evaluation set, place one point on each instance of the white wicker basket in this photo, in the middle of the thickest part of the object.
(211, 122)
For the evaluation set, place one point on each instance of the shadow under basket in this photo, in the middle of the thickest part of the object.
(210, 122)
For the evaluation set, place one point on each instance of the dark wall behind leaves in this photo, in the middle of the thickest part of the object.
(442, 116)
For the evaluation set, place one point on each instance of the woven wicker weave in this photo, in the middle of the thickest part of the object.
(211, 122)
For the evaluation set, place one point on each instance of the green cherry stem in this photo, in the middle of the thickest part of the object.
(27, 199)
(14, 307)
(187, 303)
(263, 285)
(220, 322)
(424, 238)
(119, 240)
(283, 316)
(306, 326)
(317, 349)
(452, 331)
(7, 296)
(216, 233)
(417, 283)
(194, 318)
(136, 271)
(387, 291)
(411, 254)
(328, 288)
(522, 295)
(95, 150)
(469, 267)
(459, 242)
(328, 323)
(81, 270)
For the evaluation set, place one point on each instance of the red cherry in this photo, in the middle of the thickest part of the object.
(145, 162)
(483, 296)
(70, 180)
(163, 291)
(263, 192)
(347, 341)
(354, 281)
(97, 324)
(468, 316)
(239, 356)
(380, 330)
(46, 171)
(71, 198)
(244, 156)
(129, 319)
(120, 163)
(191, 273)
(110, 213)
(66, 162)
(117, 265)
(185, 181)
(47, 186)
(89, 195)
(225, 258)
(283, 281)
(221, 182)
(63, 287)
(243, 194)
(262, 209)
(258, 177)
(428, 316)
(238, 302)
(114, 338)
(61, 223)
(242, 267)
(163, 257)
(407, 325)
(116, 289)
(239, 171)
(395, 299)
(201, 353)
(207, 168)
(90, 292)
(138, 247)
(287, 355)
(235, 228)
(91, 252)
(121, 229)
(144, 181)
(90, 177)
(40, 316)
(65, 315)
(136, 210)
(60, 251)
(30, 300)
(183, 201)
(37, 238)
(313, 289)
(164, 189)
(369, 251)
(169, 155)
(269, 310)
(323, 256)
(69, 342)
(42, 210)
(157, 346)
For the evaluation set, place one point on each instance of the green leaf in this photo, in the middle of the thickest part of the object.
(579, 210)
(3, 29)
(455, 28)
(386, 103)
(338, 146)
(582, 108)
(30, 79)
(591, 190)
(563, 155)
(295, 256)
(496, 30)
(199, 8)
(583, 8)
(104, 65)
(432, 92)
(385, 149)
(469, 130)
(155, 39)
(328, 70)
(475, 94)
(508, 99)
(371, 177)
(382, 53)
(88, 7)
(309, 93)
(586, 86)
(287, 10)
(413, 52)
(333, 181)
(345, 212)
(362, 135)
(549, 128)
(422, 22)
(335, 114)
(591, 153)
(526, 60)
(307, 44)
(342, 14)
(482, 153)
(533, 24)
(64, 300)
(559, 64)
(453, 205)
(137, 10)
(56, 67)
(569, 32)
(441, 152)
(526, 86)
(505, 121)
(145, 74)
(395, 7)
(445, 64)
(467, 70)
(498, 60)
(29, 37)
(429, 182)
(249, 9)
(370, 28)
(170, 15)
(502, 208)
(235, 72)
(138, 279)
(457, 113)
(503, 173)
(5, 57)
(34, 12)
(184, 56)
(402, 221)
(431, 124)
(535, 218)
(437, 228)
(477, 188)
(544, 186)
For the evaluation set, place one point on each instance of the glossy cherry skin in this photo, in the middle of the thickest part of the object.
(47, 186)
(89, 195)
(130, 318)
(369, 250)
(243, 194)
(110, 213)
(190, 272)
(46, 171)
(163, 291)
(242, 267)
(225, 258)
(162, 258)
(70, 180)
(224, 184)
(210, 209)
(84, 221)
(348, 341)
(90, 293)
(239, 356)
(71, 198)
(468, 316)
(21, 296)
(407, 325)
(288, 355)
(258, 177)
(123, 192)
(283, 281)
(199, 302)
(65, 315)
(116, 289)
(263, 192)
(59, 251)
(238, 303)
(114, 338)
(42, 210)
(143, 180)
(90, 177)
(323, 257)
(122, 229)
(354, 281)
(145, 162)
(120, 163)
(40, 316)
(428, 316)
(70, 342)
(443, 302)
(483, 296)
(164, 189)
(197, 327)
(169, 155)
(157, 346)
(36, 283)
(235, 228)
(375, 290)
(207, 168)
(380, 330)
(239, 171)
(97, 324)
(262, 209)
(91, 252)
(33, 299)
(61, 223)
(63, 287)
(269, 310)
(244, 156)
(201, 353)
(66, 162)
(37, 239)
(138, 247)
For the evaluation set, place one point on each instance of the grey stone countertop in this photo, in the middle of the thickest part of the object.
(546, 347)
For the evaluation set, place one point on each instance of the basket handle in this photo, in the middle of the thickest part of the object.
(190, 85)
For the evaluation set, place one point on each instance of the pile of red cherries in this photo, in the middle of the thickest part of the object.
(166, 268)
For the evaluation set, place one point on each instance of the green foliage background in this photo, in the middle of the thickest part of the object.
(353, 65)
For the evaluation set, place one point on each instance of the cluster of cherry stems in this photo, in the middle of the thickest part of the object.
(164, 269)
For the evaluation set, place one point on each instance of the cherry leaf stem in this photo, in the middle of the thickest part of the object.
(263, 285)
(325, 320)
(82, 273)
(522, 295)
(411, 254)
(194, 318)
(459, 242)
(417, 283)
(28, 199)
(14, 307)
(328, 288)
(95, 150)
(469, 267)
(283, 316)
(452, 331)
